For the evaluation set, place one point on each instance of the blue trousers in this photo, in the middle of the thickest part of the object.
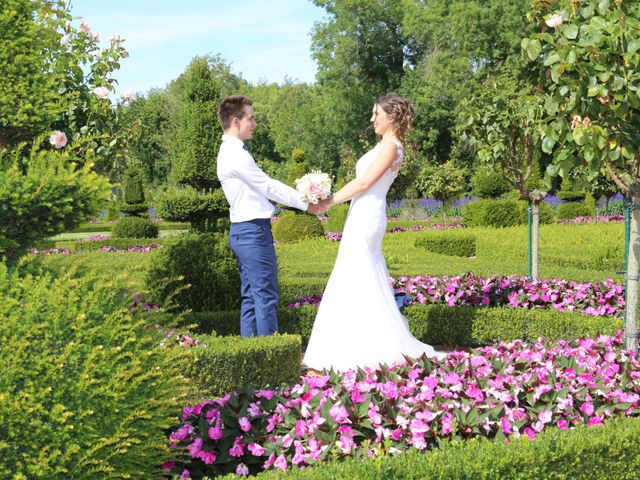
(252, 245)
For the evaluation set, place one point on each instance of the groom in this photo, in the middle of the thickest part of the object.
(248, 190)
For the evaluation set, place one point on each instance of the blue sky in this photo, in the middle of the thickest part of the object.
(261, 39)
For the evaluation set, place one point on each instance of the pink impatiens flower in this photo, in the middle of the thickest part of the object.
(244, 423)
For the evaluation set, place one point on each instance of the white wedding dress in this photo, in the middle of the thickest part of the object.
(358, 322)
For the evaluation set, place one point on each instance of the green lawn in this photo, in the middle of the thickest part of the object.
(575, 252)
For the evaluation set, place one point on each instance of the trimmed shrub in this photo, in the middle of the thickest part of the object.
(454, 245)
(203, 211)
(224, 364)
(572, 210)
(502, 213)
(489, 184)
(298, 166)
(106, 227)
(444, 325)
(293, 227)
(337, 217)
(492, 213)
(42, 196)
(86, 391)
(134, 227)
(196, 271)
(598, 453)
(571, 196)
(133, 186)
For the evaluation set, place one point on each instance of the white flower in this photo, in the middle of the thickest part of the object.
(58, 139)
(95, 36)
(114, 38)
(554, 21)
(314, 186)
(129, 95)
(85, 27)
(101, 92)
(64, 40)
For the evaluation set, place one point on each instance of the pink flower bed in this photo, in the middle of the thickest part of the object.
(504, 391)
(105, 248)
(94, 238)
(598, 298)
(337, 236)
(603, 219)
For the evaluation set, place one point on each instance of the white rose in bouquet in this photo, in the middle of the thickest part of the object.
(314, 186)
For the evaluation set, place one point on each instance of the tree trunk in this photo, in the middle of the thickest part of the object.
(631, 293)
(444, 214)
(535, 238)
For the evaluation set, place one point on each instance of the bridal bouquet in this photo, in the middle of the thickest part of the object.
(314, 186)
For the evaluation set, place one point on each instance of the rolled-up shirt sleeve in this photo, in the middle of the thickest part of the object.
(252, 175)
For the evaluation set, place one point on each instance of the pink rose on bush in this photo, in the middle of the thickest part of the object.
(101, 92)
(58, 139)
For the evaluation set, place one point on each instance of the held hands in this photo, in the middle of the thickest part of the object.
(320, 207)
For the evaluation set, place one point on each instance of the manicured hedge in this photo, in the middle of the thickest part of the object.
(609, 452)
(223, 364)
(106, 227)
(446, 244)
(444, 325)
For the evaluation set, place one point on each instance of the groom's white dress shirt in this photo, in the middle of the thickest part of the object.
(247, 188)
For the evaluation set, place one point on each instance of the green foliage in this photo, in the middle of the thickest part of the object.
(502, 213)
(83, 383)
(444, 325)
(29, 101)
(572, 210)
(582, 453)
(571, 196)
(134, 227)
(337, 217)
(224, 364)
(446, 244)
(49, 72)
(196, 271)
(492, 213)
(133, 186)
(360, 52)
(294, 227)
(442, 182)
(154, 116)
(499, 121)
(297, 168)
(203, 211)
(44, 195)
(591, 104)
(489, 184)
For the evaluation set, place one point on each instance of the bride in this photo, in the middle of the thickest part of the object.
(358, 322)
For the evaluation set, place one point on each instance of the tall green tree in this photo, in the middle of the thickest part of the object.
(499, 119)
(591, 50)
(152, 119)
(454, 45)
(360, 52)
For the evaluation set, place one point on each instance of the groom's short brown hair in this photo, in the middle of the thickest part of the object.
(232, 107)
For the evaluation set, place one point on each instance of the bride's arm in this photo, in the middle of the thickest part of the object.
(381, 164)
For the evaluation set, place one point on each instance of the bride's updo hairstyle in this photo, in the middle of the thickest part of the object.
(401, 111)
